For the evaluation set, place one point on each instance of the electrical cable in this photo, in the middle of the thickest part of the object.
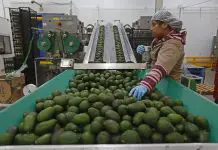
(197, 4)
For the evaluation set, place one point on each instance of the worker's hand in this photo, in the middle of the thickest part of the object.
(140, 49)
(138, 92)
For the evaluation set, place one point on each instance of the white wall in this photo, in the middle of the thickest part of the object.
(90, 11)
(201, 25)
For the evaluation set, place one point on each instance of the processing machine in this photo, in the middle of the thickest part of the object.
(61, 36)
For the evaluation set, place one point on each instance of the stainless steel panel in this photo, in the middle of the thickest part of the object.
(112, 66)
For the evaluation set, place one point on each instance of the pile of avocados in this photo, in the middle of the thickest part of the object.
(118, 46)
(96, 109)
(100, 46)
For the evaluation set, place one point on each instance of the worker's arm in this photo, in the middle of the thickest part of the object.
(168, 56)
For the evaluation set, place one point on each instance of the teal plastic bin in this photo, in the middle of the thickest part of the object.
(195, 103)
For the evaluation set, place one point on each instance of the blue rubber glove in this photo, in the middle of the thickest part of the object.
(140, 49)
(138, 92)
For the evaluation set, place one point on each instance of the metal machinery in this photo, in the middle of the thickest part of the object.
(109, 44)
(61, 34)
(61, 37)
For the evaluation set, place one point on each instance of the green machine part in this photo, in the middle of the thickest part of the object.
(71, 43)
(44, 43)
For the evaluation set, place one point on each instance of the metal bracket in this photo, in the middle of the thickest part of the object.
(67, 63)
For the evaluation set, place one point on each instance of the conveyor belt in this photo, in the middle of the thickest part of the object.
(110, 54)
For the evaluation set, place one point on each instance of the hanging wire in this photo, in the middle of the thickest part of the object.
(197, 4)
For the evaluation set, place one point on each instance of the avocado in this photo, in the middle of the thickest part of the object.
(177, 103)
(125, 125)
(98, 105)
(71, 127)
(190, 118)
(74, 90)
(130, 137)
(25, 139)
(45, 127)
(6, 138)
(119, 94)
(56, 93)
(46, 114)
(107, 99)
(40, 100)
(20, 128)
(157, 138)
(93, 112)
(180, 110)
(81, 119)
(58, 109)
(88, 138)
(72, 85)
(39, 106)
(151, 117)
(93, 98)
(166, 110)
(191, 129)
(111, 126)
(103, 137)
(84, 106)
(116, 103)
(99, 119)
(61, 100)
(111, 114)
(62, 118)
(154, 96)
(84, 93)
(87, 128)
(127, 117)
(68, 137)
(139, 118)
(148, 103)
(179, 128)
(73, 109)
(105, 108)
(122, 110)
(75, 101)
(29, 122)
(164, 126)
(69, 116)
(187, 139)
(168, 102)
(174, 137)
(158, 104)
(44, 139)
(203, 137)
(96, 127)
(175, 118)
(136, 107)
(85, 78)
(144, 131)
(201, 122)
(48, 103)
(81, 86)
(115, 139)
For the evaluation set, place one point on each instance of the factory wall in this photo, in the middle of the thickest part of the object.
(201, 22)
(201, 25)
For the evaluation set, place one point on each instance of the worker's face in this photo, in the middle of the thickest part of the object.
(159, 29)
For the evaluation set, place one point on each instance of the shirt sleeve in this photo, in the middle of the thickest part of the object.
(168, 56)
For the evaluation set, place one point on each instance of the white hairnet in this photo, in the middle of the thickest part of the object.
(167, 17)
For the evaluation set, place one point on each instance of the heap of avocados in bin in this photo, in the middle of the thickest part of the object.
(103, 113)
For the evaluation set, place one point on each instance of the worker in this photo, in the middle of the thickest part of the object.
(166, 54)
